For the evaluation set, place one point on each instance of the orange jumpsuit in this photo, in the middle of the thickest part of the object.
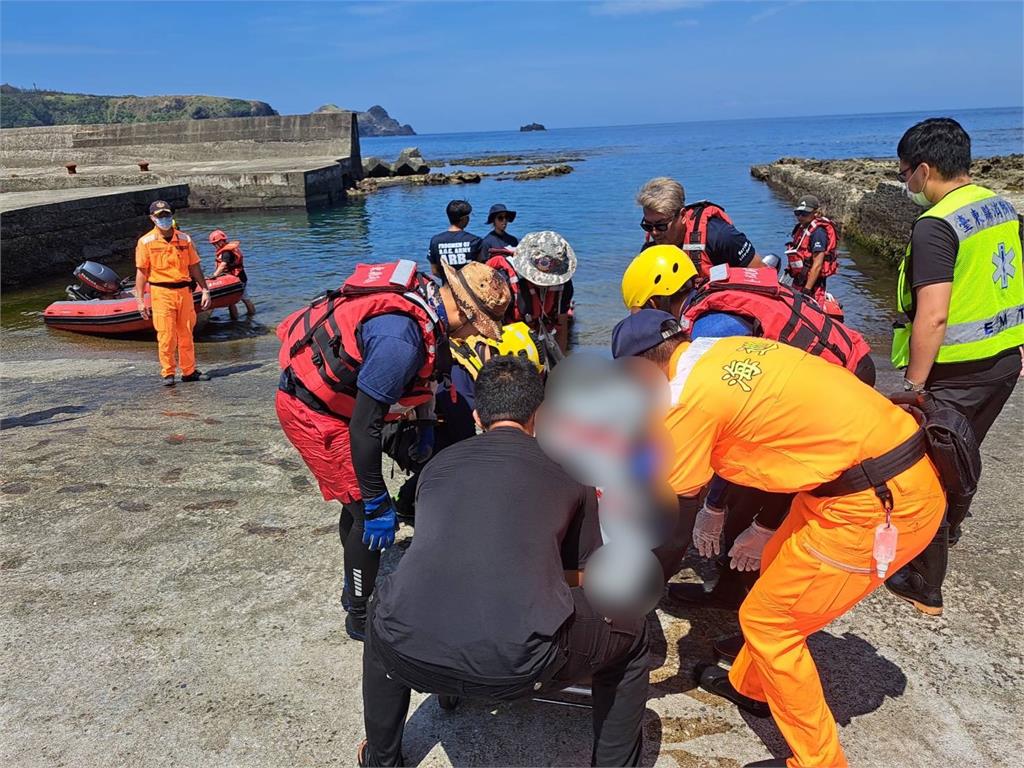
(174, 311)
(740, 409)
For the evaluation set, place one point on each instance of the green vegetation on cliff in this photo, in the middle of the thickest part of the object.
(23, 109)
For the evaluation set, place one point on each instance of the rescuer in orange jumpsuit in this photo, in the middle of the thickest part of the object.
(738, 409)
(167, 260)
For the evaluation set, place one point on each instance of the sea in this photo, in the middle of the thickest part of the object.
(292, 255)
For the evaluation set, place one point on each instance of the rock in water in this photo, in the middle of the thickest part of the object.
(375, 168)
(410, 163)
(532, 127)
(374, 122)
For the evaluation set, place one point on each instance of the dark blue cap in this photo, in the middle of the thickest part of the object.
(642, 331)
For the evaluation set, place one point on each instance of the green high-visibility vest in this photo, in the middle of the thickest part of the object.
(986, 306)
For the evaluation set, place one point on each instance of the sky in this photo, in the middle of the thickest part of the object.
(474, 66)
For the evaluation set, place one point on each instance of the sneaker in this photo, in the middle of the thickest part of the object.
(196, 375)
(168, 381)
(714, 679)
(355, 626)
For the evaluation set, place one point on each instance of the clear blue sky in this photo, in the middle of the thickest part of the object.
(463, 66)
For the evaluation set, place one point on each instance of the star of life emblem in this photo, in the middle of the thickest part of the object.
(1004, 269)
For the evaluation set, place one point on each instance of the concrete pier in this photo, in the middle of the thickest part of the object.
(169, 582)
(290, 161)
(50, 232)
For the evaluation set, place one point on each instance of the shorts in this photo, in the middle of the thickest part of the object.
(324, 444)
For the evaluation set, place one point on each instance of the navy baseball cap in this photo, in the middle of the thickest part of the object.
(160, 206)
(642, 331)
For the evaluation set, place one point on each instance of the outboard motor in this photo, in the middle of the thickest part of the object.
(98, 282)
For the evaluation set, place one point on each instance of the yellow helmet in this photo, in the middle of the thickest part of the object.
(516, 339)
(661, 270)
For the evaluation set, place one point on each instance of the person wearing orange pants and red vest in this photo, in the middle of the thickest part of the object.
(368, 353)
(738, 410)
(167, 260)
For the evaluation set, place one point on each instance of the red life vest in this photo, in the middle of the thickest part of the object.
(778, 313)
(695, 232)
(234, 247)
(321, 343)
(798, 249)
(527, 304)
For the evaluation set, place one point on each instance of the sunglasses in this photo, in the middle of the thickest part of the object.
(501, 217)
(657, 226)
(799, 213)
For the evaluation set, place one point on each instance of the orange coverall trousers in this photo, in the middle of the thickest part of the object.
(174, 317)
(816, 567)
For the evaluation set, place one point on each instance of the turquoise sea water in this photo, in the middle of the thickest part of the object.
(293, 255)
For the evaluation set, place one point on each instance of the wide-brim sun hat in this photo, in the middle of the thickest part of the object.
(497, 208)
(482, 296)
(544, 258)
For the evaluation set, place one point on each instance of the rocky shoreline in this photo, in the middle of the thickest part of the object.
(863, 195)
(411, 169)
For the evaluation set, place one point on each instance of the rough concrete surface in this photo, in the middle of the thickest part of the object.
(865, 197)
(169, 583)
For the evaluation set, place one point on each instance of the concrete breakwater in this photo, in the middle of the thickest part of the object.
(81, 191)
(863, 195)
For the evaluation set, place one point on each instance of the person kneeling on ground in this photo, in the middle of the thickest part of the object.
(480, 606)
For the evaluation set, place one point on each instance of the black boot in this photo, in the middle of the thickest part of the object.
(919, 582)
(728, 594)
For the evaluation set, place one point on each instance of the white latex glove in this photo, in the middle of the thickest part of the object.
(707, 531)
(745, 554)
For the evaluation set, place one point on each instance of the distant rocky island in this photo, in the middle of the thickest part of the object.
(375, 121)
(23, 108)
(532, 127)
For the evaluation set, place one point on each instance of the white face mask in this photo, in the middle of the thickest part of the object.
(918, 198)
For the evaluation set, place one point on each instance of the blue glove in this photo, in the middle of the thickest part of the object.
(381, 522)
(424, 447)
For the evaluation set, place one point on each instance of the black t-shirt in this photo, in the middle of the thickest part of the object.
(497, 240)
(229, 258)
(725, 244)
(481, 590)
(933, 248)
(456, 249)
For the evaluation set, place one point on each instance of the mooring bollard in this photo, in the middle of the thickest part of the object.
(71, 168)
(143, 167)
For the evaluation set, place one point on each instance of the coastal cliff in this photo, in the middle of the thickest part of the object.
(30, 108)
(863, 195)
(375, 121)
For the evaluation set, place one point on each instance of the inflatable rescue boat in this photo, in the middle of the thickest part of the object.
(104, 303)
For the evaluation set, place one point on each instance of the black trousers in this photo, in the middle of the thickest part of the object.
(612, 656)
(981, 404)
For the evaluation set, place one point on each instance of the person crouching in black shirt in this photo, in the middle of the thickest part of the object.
(480, 606)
